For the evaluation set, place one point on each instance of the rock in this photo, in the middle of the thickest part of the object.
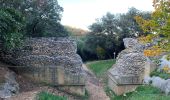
(164, 62)
(133, 44)
(162, 84)
(50, 60)
(10, 87)
(130, 69)
(147, 80)
(130, 64)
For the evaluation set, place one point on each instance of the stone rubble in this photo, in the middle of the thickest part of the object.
(51, 60)
(130, 62)
(131, 67)
(162, 84)
(10, 87)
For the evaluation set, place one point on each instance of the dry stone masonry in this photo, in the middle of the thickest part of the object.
(8, 84)
(130, 69)
(52, 61)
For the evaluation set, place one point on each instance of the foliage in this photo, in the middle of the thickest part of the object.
(100, 67)
(42, 16)
(120, 24)
(107, 42)
(11, 24)
(100, 52)
(153, 51)
(48, 96)
(108, 32)
(166, 69)
(161, 74)
(168, 57)
(146, 39)
(158, 25)
(44, 19)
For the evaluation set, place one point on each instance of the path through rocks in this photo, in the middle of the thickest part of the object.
(94, 86)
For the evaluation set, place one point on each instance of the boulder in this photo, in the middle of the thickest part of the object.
(162, 84)
(9, 86)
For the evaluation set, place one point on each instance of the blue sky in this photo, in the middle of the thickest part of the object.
(82, 13)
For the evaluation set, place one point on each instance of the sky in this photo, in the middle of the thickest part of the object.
(82, 13)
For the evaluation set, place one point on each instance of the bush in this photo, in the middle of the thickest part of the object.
(161, 74)
(11, 24)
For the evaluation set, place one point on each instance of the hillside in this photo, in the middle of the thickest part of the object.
(76, 31)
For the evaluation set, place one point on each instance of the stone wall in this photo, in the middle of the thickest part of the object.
(50, 60)
(130, 69)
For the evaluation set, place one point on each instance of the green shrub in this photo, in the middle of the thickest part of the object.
(168, 57)
(11, 24)
(161, 74)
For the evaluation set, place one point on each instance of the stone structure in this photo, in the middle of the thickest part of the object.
(8, 84)
(130, 69)
(52, 61)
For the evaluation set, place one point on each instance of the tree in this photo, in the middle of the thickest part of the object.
(128, 25)
(109, 31)
(159, 26)
(42, 16)
(11, 23)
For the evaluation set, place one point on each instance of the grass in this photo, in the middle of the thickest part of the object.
(100, 67)
(48, 96)
(142, 93)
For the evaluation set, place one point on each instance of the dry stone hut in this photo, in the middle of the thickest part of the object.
(52, 61)
(130, 69)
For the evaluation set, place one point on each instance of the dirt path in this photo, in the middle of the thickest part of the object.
(94, 86)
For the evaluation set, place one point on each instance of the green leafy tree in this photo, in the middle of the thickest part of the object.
(100, 52)
(158, 25)
(43, 19)
(108, 32)
(128, 25)
(11, 24)
(42, 16)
